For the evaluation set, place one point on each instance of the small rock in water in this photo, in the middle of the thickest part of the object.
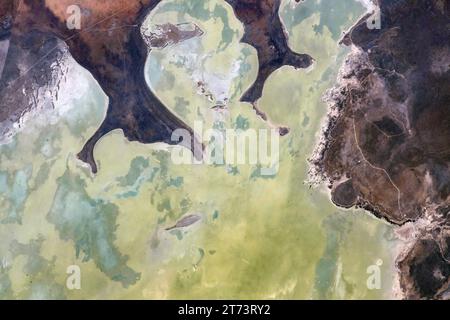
(186, 221)
(164, 35)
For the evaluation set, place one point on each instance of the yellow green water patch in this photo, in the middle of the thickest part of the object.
(256, 236)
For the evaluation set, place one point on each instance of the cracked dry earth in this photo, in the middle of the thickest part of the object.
(386, 145)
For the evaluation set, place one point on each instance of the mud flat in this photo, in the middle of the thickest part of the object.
(385, 145)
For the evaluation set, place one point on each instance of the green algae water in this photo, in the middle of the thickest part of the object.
(258, 237)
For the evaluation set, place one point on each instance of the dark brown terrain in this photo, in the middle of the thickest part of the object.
(109, 45)
(386, 146)
(264, 31)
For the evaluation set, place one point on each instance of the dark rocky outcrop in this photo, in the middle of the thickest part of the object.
(389, 132)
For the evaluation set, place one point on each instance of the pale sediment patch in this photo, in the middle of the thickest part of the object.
(4, 46)
(368, 4)
(48, 104)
